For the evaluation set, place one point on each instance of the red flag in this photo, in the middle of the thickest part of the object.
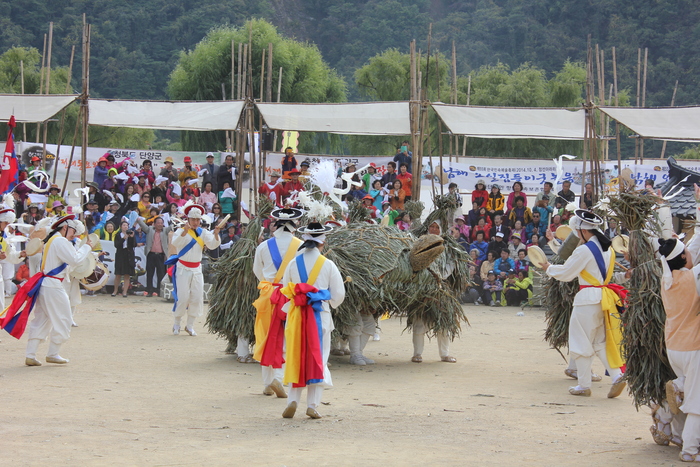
(10, 168)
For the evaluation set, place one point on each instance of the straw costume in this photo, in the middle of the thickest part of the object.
(188, 281)
(271, 259)
(313, 286)
(595, 327)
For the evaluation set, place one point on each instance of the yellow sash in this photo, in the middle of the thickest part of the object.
(194, 235)
(264, 306)
(293, 330)
(613, 322)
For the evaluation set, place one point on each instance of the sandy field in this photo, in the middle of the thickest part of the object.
(133, 394)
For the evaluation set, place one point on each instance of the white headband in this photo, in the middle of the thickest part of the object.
(318, 238)
(667, 276)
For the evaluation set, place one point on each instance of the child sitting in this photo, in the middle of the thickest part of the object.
(492, 289)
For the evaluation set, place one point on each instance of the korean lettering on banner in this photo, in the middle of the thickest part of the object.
(532, 174)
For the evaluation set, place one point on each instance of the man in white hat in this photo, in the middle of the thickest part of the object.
(271, 260)
(314, 286)
(188, 281)
(45, 295)
(9, 256)
(592, 263)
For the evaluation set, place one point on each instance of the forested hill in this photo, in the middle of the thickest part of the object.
(135, 44)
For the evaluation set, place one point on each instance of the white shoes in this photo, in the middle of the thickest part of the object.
(357, 360)
(176, 330)
(368, 361)
(56, 359)
(190, 331)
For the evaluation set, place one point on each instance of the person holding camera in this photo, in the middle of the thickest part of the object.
(124, 258)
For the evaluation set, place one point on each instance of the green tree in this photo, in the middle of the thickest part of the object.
(201, 73)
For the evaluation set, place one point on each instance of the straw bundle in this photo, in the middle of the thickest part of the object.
(558, 300)
(648, 368)
(357, 212)
(231, 311)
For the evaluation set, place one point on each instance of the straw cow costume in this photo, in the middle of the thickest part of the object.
(271, 260)
(313, 286)
(188, 281)
(595, 327)
(45, 294)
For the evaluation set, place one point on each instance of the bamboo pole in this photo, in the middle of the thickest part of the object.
(454, 139)
(63, 116)
(268, 97)
(440, 151)
(41, 90)
(639, 87)
(469, 96)
(21, 72)
(587, 110)
(78, 124)
(413, 112)
(262, 75)
(673, 101)
(644, 99)
(617, 124)
(48, 91)
(274, 138)
(239, 76)
(84, 101)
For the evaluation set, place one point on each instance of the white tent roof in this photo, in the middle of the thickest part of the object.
(31, 108)
(195, 116)
(512, 122)
(368, 118)
(671, 123)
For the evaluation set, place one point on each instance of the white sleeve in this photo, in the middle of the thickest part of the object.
(693, 245)
(572, 267)
(619, 277)
(210, 240)
(179, 241)
(69, 255)
(337, 287)
(13, 256)
(257, 262)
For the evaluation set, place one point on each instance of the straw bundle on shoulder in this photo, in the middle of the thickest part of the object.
(558, 301)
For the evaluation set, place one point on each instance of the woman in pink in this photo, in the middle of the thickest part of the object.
(517, 191)
(207, 198)
(517, 229)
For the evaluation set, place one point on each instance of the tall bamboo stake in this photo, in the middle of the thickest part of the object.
(644, 99)
(48, 90)
(454, 139)
(78, 124)
(440, 151)
(673, 101)
(639, 88)
(274, 138)
(41, 88)
(617, 124)
(21, 72)
(84, 99)
(262, 75)
(240, 77)
(268, 97)
(63, 116)
(414, 108)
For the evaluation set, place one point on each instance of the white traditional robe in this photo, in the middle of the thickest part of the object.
(190, 281)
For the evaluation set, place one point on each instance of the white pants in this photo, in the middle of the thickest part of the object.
(314, 392)
(8, 273)
(34, 264)
(586, 340)
(360, 332)
(190, 293)
(685, 365)
(419, 340)
(52, 318)
(243, 347)
(270, 374)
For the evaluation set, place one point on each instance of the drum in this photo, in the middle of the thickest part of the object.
(537, 256)
(563, 232)
(34, 246)
(97, 279)
(85, 268)
(621, 244)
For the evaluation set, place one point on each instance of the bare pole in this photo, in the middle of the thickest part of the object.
(469, 96)
(268, 86)
(279, 96)
(589, 77)
(440, 151)
(84, 99)
(639, 87)
(41, 88)
(673, 102)
(21, 72)
(262, 75)
(78, 124)
(240, 77)
(48, 90)
(63, 116)
(644, 100)
(454, 140)
(414, 107)
(617, 124)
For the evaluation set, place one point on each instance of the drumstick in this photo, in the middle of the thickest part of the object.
(622, 267)
(223, 222)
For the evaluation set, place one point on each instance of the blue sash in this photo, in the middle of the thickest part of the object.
(274, 252)
(598, 255)
(172, 261)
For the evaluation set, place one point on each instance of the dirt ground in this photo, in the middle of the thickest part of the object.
(133, 394)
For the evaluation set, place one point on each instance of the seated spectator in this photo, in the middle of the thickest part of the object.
(190, 190)
(520, 212)
(504, 263)
(537, 226)
(487, 265)
(561, 210)
(357, 192)
(367, 202)
(534, 240)
(403, 221)
(227, 199)
(481, 226)
(498, 244)
(473, 215)
(480, 196)
(498, 226)
(511, 290)
(492, 289)
(406, 180)
(144, 206)
(207, 197)
(522, 264)
(518, 229)
(480, 245)
(22, 275)
(515, 247)
(517, 192)
(397, 196)
(462, 226)
(474, 257)
(525, 288)
(495, 203)
(587, 199)
(556, 223)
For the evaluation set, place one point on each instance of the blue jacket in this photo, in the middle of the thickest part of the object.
(482, 247)
(506, 265)
(100, 175)
(530, 229)
(401, 158)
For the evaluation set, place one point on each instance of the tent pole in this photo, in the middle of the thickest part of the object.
(84, 103)
(78, 124)
(644, 100)
(274, 138)
(617, 124)
(63, 117)
(48, 88)
(673, 101)
(41, 91)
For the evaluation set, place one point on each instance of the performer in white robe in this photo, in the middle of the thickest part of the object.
(188, 281)
(271, 259)
(8, 253)
(52, 311)
(71, 284)
(680, 292)
(329, 283)
(587, 330)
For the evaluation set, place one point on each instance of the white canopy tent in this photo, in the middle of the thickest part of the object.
(670, 123)
(32, 108)
(512, 122)
(367, 118)
(194, 116)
